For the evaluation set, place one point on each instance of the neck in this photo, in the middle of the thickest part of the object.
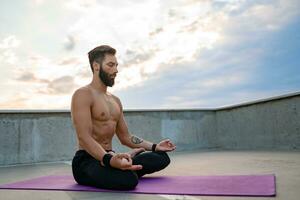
(98, 85)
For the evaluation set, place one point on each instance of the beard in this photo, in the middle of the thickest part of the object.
(106, 78)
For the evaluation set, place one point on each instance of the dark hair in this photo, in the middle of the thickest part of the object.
(98, 54)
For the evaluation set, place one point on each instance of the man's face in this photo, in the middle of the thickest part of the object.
(108, 70)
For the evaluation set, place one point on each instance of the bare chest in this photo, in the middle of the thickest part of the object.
(105, 108)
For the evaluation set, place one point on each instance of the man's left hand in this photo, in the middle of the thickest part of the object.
(165, 145)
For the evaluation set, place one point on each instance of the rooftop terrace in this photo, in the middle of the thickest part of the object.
(251, 138)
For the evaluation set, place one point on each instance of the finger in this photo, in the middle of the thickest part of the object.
(125, 163)
(124, 155)
(165, 141)
(170, 148)
(171, 143)
(127, 155)
(134, 167)
(123, 160)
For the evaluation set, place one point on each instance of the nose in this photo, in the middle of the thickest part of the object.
(115, 70)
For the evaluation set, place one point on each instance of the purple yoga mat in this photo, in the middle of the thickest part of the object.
(246, 185)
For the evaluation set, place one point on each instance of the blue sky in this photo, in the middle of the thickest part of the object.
(172, 54)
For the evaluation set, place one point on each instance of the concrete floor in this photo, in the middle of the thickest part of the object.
(285, 165)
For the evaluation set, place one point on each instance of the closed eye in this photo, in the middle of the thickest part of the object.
(111, 64)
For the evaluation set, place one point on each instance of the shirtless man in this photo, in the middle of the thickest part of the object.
(97, 115)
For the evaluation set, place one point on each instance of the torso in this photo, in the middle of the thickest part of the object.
(105, 112)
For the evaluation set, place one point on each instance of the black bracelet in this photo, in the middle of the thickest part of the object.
(153, 146)
(106, 159)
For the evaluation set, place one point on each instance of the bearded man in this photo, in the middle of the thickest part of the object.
(97, 116)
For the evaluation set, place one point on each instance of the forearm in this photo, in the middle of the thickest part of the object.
(133, 141)
(92, 147)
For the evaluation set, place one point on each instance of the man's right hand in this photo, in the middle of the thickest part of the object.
(123, 161)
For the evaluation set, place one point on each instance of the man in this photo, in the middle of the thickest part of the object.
(97, 115)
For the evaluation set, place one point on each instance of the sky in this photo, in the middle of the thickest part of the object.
(172, 54)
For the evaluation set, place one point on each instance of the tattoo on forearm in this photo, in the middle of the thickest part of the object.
(136, 140)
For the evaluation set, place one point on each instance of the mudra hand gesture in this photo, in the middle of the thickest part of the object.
(165, 145)
(123, 161)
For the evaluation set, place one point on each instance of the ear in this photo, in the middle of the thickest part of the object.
(96, 66)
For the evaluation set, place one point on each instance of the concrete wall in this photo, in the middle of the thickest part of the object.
(187, 129)
(35, 137)
(273, 124)
(41, 136)
(49, 136)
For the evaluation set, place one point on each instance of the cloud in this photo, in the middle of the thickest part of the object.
(153, 39)
(16, 101)
(30, 77)
(7, 50)
(257, 16)
(156, 31)
(21, 100)
(46, 79)
(70, 43)
(79, 5)
(31, 95)
(73, 61)
(9, 42)
(62, 85)
(38, 2)
(84, 72)
(193, 92)
(184, 31)
(219, 82)
(39, 68)
(135, 57)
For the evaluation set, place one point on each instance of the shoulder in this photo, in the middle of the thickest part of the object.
(117, 99)
(82, 94)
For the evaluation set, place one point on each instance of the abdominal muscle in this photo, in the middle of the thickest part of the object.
(103, 133)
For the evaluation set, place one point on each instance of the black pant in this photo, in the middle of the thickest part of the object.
(88, 171)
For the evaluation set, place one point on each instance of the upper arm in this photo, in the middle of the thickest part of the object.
(122, 129)
(81, 113)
